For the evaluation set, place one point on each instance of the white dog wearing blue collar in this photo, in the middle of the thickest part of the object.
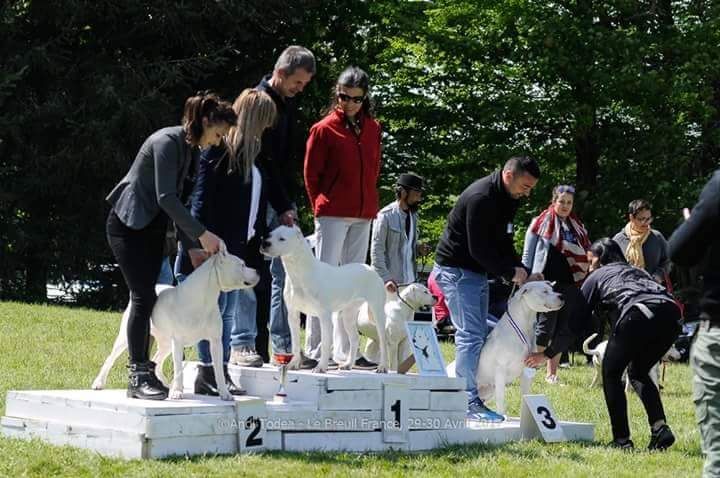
(513, 338)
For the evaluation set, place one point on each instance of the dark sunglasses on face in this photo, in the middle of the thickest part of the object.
(566, 189)
(354, 99)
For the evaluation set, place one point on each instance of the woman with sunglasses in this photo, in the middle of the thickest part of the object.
(342, 164)
(644, 247)
(556, 245)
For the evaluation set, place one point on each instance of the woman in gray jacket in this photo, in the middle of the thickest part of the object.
(142, 203)
(644, 247)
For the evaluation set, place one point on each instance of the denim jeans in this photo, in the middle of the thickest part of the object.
(279, 328)
(228, 304)
(244, 327)
(166, 273)
(466, 295)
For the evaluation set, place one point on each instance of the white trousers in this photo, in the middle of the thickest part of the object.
(340, 240)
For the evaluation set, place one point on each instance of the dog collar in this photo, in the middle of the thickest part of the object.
(517, 330)
(404, 302)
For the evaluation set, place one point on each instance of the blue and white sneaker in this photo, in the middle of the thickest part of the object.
(478, 411)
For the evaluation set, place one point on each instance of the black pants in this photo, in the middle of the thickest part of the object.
(558, 327)
(637, 343)
(139, 253)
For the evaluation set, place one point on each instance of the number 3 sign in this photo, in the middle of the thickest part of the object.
(537, 418)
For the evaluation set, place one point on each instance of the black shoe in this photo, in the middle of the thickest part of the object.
(141, 383)
(623, 445)
(156, 381)
(232, 388)
(306, 363)
(661, 438)
(364, 364)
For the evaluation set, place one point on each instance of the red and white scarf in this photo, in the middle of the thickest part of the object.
(547, 225)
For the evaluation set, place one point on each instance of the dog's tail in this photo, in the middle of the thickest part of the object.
(586, 346)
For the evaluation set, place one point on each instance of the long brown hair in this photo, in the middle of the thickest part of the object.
(256, 112)
(205, 105)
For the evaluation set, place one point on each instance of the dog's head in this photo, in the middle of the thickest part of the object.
(282, 241)
(540, 296)
(417, 295)
(233, 273)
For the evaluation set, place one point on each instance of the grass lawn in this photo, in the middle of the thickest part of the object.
(44, 347)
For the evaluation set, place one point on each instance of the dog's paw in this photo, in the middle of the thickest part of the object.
(97, 385)
(176, 394)
(381, 369)
(320, 369)
(347, 365)
(225, 396)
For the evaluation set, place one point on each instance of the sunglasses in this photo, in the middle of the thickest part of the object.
(565, 189)
(355, 99)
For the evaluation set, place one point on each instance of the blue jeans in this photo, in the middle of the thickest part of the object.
(166, 273)
(279, 328)
(228, 304)
(466, 295)
(244, 327)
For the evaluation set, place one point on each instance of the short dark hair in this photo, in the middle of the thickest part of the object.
(523, 164)
(637, 205)
(607, 251)
(294, 57)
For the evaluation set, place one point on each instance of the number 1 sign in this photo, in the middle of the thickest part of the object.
(537, 418)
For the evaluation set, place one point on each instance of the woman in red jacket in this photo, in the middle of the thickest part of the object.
(342, 163)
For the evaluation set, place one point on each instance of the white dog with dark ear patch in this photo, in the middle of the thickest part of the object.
(320, 289)
(513, 338)
(186, 314)
(399, 308)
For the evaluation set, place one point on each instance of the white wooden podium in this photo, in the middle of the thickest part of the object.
(337, 411)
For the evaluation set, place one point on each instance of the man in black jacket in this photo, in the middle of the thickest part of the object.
(477, 240)
(694, 241)
(293, 70)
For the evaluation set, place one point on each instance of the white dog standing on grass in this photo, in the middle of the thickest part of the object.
(186, 314)
(502, 359)
(319, 289)
(399, 308)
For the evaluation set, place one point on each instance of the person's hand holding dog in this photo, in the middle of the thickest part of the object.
(520, 276)
(197, 257)
(210, 242)
(535, 360)
(391, 286)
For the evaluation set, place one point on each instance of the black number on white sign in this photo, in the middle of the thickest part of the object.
(548, 421)
(252, 439)
(396, 408)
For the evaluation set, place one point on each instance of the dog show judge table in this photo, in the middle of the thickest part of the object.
(338, 411)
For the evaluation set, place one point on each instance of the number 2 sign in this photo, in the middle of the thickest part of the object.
(537, 418)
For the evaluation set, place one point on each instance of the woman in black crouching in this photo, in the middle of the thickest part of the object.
(648, 324)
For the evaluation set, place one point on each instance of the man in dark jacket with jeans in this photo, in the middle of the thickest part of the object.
(293, 70)
(694, 241)
(477, 240)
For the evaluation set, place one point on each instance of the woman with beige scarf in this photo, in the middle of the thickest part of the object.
(644, 247)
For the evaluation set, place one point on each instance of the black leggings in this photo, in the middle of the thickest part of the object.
(139, 253)
(637, 343)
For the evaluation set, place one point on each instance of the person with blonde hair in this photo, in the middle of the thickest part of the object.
(231, 197)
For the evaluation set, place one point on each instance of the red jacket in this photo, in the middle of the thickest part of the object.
(341, 169)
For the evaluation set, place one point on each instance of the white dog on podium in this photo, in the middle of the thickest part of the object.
(186, 314)
(513, 338)
(319, 289)
(399, 308)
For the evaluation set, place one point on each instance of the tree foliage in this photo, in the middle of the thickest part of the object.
(620, 98)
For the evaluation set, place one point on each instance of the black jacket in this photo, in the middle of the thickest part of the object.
(221, 201)
(699, 238)
(479, 232)
(276, 157)
(621, 286)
